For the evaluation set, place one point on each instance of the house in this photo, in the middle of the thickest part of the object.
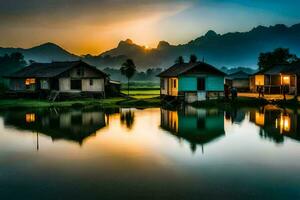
(276, 123)
(274, 79)
(71, 125)
(192, 82)
(63, 77)
(197, 126)
(240, 80)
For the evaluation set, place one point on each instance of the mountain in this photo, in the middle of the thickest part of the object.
(230, 50)
(47, 52)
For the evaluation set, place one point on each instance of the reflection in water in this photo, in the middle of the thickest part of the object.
(74, 125)
(235, 115)
(198, 126)
(139, 165)
(127, 117)
(276, 123)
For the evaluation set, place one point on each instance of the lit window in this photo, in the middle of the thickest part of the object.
(285, 80)
(30, 117)
(259, 80)
(30, 81)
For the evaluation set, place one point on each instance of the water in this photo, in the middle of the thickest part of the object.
(150, 154)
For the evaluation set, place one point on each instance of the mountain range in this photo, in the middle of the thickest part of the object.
(229, 50)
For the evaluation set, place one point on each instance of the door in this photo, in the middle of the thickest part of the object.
(76, 85)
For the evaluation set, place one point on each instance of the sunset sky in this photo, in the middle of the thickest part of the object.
(93, 26)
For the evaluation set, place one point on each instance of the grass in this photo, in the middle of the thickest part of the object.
(142, 93)
(105, 103)
(141, 85)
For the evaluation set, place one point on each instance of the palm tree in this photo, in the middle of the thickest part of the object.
(128, 69)
(179, 60)
(193, 58)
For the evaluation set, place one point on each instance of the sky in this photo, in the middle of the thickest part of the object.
(93, 26)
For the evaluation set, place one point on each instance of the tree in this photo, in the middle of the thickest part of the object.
(193, 58)
(179, 60)
(11, 63)
(277, 57)
(128, 69)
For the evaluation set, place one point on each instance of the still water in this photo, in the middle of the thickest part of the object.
(150, 154)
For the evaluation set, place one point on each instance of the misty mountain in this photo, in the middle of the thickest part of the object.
(239, 49)
(47, 52)
(230, 50)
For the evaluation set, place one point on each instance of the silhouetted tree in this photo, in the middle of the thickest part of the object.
(179, 60)
(193, 58)
(11, 63)
(277, 57)
(128, 69)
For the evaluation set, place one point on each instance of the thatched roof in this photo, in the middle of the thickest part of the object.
(49, 70)
(191, 68)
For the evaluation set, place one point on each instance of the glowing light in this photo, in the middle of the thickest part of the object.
(30, 117)
(260, 118)
(285, 80)
(259, 80)
(285, 123)
(30, 81)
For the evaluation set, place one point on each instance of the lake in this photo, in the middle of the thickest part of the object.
(150, 154)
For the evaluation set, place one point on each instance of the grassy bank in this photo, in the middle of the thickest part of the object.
(105, 103)
(139, 103)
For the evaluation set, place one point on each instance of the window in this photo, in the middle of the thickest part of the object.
(162, 83)
(174, 83)
(30, 81)
(44, 84)
(91, 82)
(201, 84)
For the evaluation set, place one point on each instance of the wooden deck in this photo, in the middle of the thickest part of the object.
(267, 96)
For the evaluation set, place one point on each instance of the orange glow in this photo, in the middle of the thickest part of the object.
(30, 117)
(173, 120)
(260, 119)
(285, 123)
(30, 81)
(259, 80)
(285, 80)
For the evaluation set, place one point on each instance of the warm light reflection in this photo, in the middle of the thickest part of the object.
(30, 117)
(260, 118)
(30, 81)
(285, 123)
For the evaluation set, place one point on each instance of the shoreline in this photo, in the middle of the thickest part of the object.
(120, 102)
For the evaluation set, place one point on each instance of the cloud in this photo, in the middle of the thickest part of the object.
(57, 13)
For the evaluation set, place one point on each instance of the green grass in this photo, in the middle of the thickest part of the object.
(105, 103)
(141, 85)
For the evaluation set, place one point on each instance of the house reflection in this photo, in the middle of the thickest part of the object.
(276, 123)
(197, 126)
(71, 125)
